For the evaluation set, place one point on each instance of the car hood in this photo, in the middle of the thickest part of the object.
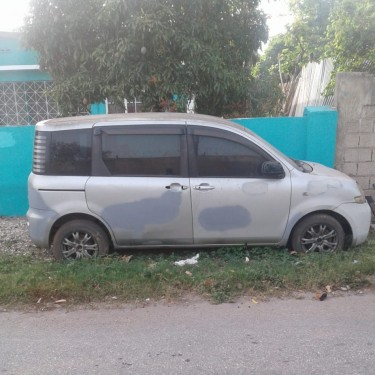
(322, 170)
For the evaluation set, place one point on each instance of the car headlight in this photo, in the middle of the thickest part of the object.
(360, 199)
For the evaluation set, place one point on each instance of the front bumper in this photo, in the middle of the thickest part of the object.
(359, 218)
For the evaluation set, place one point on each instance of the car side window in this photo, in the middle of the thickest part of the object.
(221, 157)
(142, 154)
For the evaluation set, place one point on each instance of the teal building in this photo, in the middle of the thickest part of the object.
(23, 99)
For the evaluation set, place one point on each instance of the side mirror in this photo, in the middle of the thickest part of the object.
(272, 169)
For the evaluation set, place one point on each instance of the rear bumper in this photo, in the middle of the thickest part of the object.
(359, 218)
(40, 223)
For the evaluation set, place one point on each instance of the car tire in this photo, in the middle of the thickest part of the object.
(318, 233)
(79, 239)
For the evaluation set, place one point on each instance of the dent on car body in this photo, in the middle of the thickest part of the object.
(255, 188)
(322, 187)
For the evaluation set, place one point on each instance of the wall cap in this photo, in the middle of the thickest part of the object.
(19, 67)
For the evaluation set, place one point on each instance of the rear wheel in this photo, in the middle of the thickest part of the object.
(318, 233)
(79, 239)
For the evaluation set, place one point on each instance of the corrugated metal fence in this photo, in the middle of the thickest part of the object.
(311, 84)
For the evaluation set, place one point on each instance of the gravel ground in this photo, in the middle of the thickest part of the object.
(14, 238)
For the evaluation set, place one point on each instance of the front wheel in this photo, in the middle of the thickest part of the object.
(318, 233)
(79, 239)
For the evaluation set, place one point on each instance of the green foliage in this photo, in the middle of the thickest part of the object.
(149, 49)
(351, 35)
(304, 41)
(343, 30)
(266, 93)
(220, 275)
(306, 37)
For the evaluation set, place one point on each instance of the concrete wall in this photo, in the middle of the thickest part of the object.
(311, 137)
(12, 54)
(16, 144)
(355, 151)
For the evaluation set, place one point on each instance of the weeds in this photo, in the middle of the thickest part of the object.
(220, 275)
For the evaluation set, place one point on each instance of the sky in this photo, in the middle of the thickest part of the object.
(12, 13)
(278, 13)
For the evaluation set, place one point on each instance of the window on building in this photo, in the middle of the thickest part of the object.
(25, 103)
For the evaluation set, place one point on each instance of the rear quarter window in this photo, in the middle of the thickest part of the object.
(66, 153)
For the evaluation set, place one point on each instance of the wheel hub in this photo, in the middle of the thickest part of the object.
(79, 245)
(319, 238)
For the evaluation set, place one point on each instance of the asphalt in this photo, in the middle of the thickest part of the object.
(292, 336)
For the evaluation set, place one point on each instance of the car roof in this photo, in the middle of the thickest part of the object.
(89, 121)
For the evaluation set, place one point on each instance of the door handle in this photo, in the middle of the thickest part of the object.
(204, 187)
(176, 186)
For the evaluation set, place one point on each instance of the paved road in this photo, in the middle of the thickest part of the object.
(336, 336)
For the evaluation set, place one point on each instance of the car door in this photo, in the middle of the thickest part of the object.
(232, 202)
(140, 186)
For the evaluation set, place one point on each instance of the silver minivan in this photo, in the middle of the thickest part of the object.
(162, 179)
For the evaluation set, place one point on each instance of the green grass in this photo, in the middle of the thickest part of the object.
(220, 275)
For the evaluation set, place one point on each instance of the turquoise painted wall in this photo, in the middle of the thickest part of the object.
(23, 76)
(311, 137)
(16, 145)
(98, 109)
(13, 53)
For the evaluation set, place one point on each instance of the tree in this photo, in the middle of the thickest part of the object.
(266, 91)
(287, 53)
(351, 35)
(343, 30)
(306, 38)
(152, 49)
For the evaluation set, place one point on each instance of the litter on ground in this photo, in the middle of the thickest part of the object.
(185, 262)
